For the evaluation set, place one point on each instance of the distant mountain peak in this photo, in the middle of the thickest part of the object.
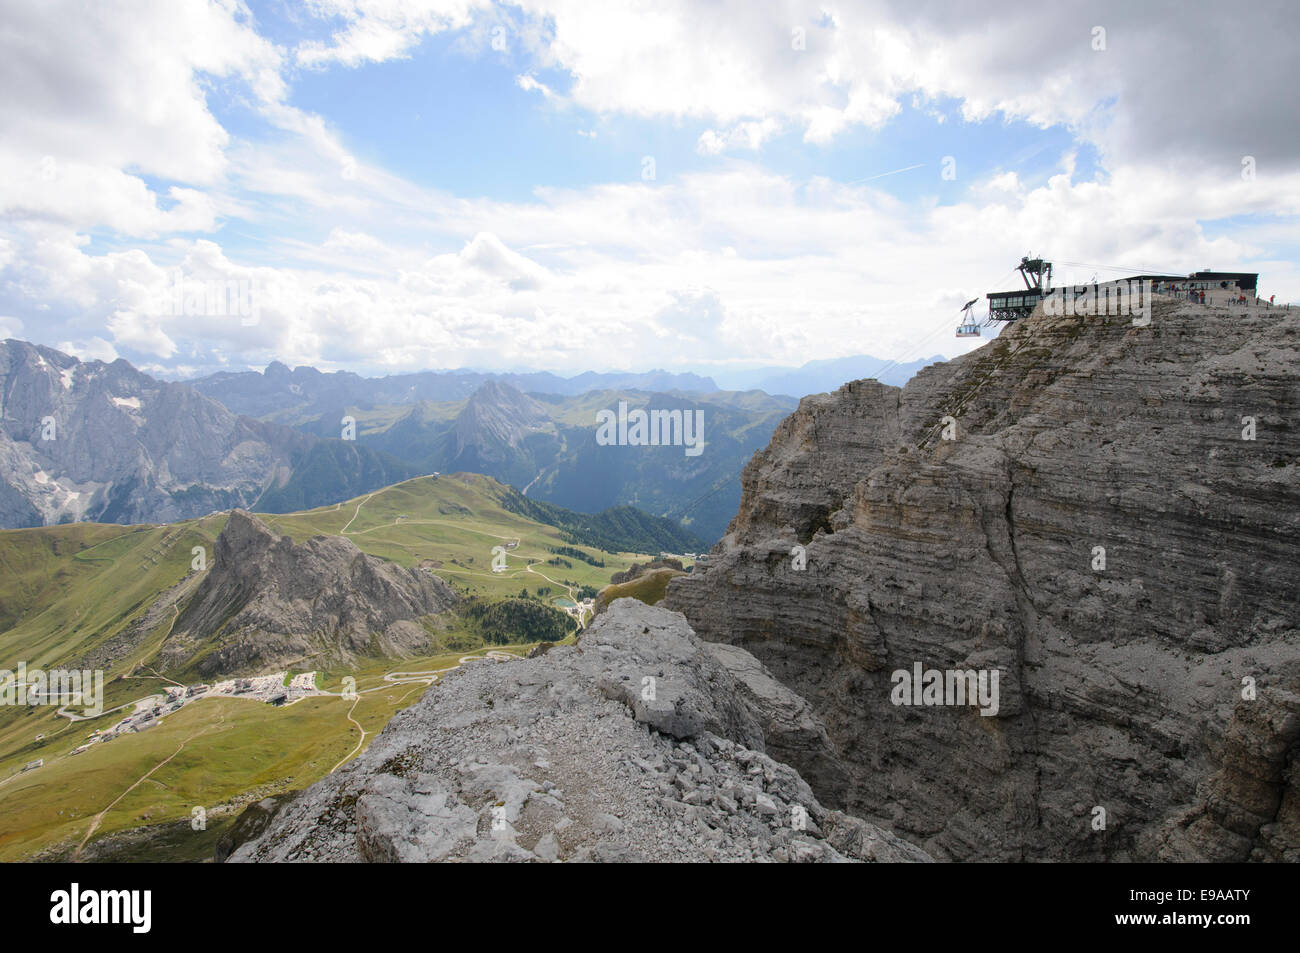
(493, 389)
(497, 413)
(277, 371)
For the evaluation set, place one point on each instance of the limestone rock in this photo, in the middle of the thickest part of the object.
(560, 757)
(267, 599)
(1121, 671)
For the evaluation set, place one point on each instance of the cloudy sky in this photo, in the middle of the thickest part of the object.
(399, 185)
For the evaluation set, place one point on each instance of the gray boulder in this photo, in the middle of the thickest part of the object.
(571, 756)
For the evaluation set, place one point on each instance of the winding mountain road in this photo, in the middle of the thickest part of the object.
(406, 678)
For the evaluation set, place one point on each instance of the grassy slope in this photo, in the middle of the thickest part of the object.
(232, 747)
(65, 589)
(454, 519)
(649, 587)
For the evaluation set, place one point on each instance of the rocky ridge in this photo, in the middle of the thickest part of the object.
(267, 600)
(640, 742)
(1101, 531)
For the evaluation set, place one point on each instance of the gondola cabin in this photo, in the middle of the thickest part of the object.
(968, 327)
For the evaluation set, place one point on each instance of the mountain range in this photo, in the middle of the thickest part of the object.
(290, 396)
(105, 442)
(546, 446)
(108, 443)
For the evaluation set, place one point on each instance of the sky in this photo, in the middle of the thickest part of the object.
(386, 186)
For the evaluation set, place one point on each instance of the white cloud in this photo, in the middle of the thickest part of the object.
(485, 269)
(354, 242)
(737, 262)
(735, 61)
(1008, 182)
(744, 135)
(78, 194)
(96, 84)
(97, 98)
(529, 83)
(740, 263)
(374, 31)
(96, 349)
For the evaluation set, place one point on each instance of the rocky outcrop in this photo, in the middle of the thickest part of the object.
(267, 600)
(250, 824)
(1073, 506)
(792, 732)
(638, 743)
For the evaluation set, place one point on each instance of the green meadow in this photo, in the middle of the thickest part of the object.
(452, 523)
(69, 590)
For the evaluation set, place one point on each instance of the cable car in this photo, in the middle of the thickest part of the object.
(968, 327)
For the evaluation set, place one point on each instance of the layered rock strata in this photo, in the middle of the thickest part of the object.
(1105, 514)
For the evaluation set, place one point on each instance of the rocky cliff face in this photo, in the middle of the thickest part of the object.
(267, 601)
(104, 442)
(639, 743)
(95, 441)
(1099, 533)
